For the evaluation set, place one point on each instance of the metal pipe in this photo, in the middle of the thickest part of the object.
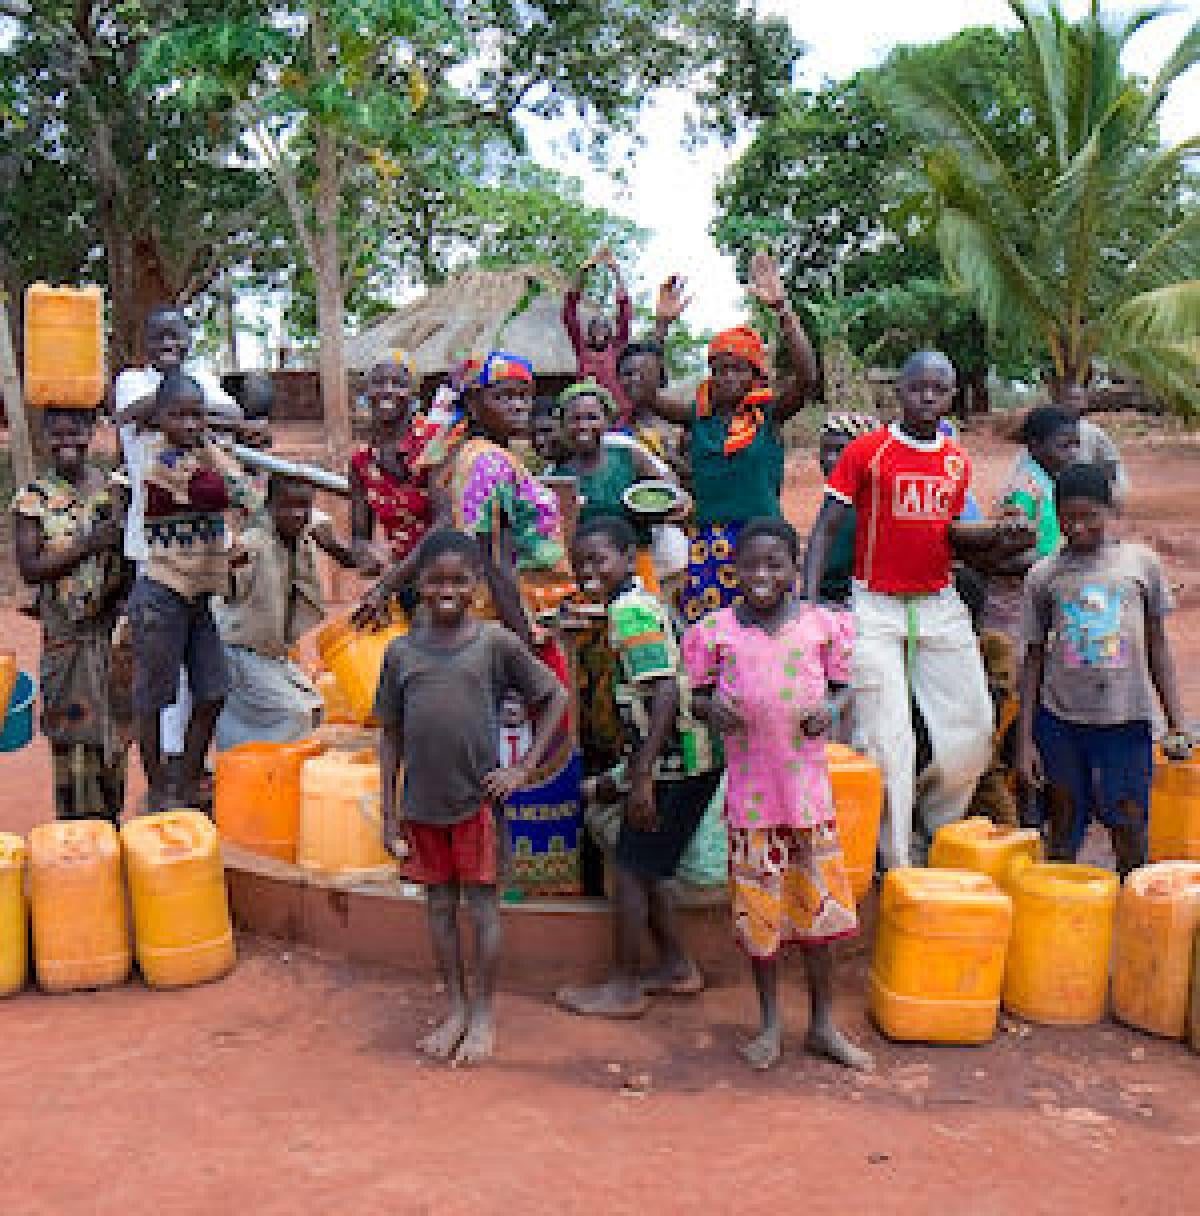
(323, 479)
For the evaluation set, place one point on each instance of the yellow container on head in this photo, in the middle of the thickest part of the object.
(64, 346)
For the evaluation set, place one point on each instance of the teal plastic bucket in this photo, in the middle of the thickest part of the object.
(18, 726)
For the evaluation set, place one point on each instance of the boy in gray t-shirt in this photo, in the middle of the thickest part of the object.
(436, 703)
(1097, 665)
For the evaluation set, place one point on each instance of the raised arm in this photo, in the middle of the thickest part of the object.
(670, 305)
(621, 296)
(766, 285)
(816, 556)
(570, 312)
(672, 410)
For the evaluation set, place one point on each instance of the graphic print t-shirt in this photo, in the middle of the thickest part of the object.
(1089, 611)
(906, 494)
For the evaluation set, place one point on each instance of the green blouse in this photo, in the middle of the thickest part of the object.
(737, 488)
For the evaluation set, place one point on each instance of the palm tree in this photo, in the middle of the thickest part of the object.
(1091, 244)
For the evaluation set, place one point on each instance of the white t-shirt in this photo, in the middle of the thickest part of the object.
(132, 385)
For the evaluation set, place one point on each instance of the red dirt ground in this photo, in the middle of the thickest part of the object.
(293, 1085)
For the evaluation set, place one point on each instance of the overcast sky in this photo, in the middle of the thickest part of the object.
(669, 190)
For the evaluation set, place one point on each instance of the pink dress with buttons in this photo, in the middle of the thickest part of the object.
(776, 775)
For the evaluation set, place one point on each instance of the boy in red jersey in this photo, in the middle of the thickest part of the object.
(908, 485)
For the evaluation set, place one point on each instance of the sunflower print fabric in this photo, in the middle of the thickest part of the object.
(711, 577)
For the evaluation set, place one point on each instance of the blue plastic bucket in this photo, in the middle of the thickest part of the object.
(18, 726)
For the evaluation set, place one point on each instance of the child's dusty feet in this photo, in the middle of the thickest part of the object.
(763, 1051)
(442, 1042)
(679, 979)
(614, 999)
(829, 1042)
(479, 1042)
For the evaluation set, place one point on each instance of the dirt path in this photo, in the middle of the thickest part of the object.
(293, 1086)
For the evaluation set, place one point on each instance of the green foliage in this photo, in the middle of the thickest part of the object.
(1088, 245)
(833, 186)
(101, 179)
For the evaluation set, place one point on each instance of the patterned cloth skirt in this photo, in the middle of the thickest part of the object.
(545, 823)
(789, 886)
(711, 577)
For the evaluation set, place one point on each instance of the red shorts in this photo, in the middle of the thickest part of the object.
(458, 852)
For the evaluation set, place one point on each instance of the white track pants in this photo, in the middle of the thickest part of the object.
(951, 689)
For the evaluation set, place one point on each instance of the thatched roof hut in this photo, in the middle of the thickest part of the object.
(517, 309)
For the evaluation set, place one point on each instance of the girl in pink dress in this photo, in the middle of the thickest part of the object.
(768, 662)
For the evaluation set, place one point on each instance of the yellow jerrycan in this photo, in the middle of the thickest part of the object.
(939, 956)
(14, 915)
(341, 830)
(64, 346)
(77, 904)
(1061, 942)
(1158, 913)
(983, 846)
(182, 931)
(256, 799)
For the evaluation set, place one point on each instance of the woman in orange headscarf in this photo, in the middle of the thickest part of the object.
(735, 449)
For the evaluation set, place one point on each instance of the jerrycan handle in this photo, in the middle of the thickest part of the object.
(1016, 866)
(173, 836)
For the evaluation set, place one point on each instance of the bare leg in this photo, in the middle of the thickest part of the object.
(763, 1050)
(621, 995)
(480, 1039)
(824, 1038)
(1129, 839)
(150, 747)
(441, 904)
(196, 742)
(675, 972)
(1060, 817)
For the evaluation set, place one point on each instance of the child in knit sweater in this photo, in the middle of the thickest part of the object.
(190, 486)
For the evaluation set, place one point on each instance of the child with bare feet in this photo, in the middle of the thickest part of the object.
(437, 704)
(767, 662)
(669, 776)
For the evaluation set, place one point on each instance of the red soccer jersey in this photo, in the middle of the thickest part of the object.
(905, 493)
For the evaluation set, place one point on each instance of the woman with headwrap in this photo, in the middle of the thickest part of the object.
(734, 445)
(385, 489)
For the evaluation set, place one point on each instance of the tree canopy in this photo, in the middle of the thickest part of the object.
(1086, 243)
(833, 185)
(341, 98)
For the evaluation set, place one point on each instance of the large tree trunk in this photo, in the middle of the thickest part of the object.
(335, 397)
(138, 282)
